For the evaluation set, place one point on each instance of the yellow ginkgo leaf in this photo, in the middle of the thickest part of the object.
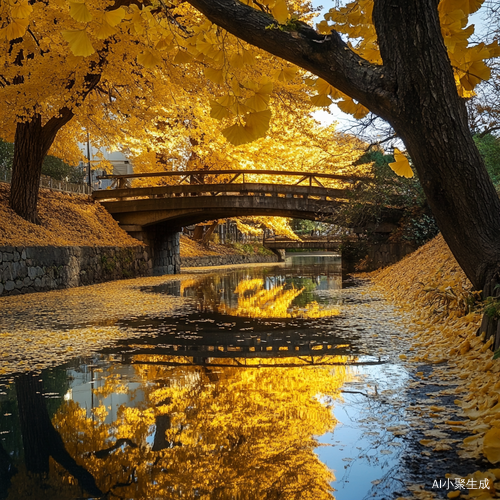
(238, 108)
(491, 445)
(477, 72)
(256, 126)
(104, 30)
(322, 86)
(251, 85)
(360, 112)
(235, 86)
(494, 49)
(401, 166)
(114, 17)
(204, 47)
(148, 59)
(21, 10)
(136, 22)
(286, 74)
(321, 100)
(237, 134)
(226, 101)
(164, 44)
(79, 12)
(280, 11)
(79, 42)
(246, 58)
(324, 28)
(258, 102)
(266, 86)
(182, 57)
(214, 75)
(16, 28)
(258, 122)
(349, 106)
(468, 6)
(218, 111)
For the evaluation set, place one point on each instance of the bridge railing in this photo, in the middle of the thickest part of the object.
(54, 184)
(194, 177)
(240, 189)
(230, 182)
(304, 237)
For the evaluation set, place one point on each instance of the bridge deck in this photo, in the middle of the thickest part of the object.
(189, 204)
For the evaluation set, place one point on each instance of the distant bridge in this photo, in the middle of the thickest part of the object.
(312, 243)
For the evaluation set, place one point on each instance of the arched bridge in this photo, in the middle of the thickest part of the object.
(155, 214)
(197, 197)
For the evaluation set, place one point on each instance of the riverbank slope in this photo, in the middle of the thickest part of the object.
(451, 364)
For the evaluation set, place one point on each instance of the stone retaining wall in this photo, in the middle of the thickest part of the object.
(36, 269)
(225, 260)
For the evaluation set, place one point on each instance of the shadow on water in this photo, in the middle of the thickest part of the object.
(229, 401)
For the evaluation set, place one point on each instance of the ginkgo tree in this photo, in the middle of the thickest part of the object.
(411, 64)
(43, 85)
(120, 53)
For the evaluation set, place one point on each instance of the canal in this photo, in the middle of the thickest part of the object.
(262, 382)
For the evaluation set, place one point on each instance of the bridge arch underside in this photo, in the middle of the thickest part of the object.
(179, 212)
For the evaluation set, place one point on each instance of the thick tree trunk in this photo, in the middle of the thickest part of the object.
(415, 91)
(432, 121)
(31, 144)
(27, 168)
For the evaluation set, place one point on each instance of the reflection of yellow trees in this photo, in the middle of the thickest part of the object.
(255, 301)
(218, 433)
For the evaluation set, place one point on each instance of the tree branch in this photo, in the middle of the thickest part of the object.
(328, 57)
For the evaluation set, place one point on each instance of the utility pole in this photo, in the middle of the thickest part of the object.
(88, 158)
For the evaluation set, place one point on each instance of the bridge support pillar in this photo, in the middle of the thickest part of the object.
(164, 248)
(280, 252)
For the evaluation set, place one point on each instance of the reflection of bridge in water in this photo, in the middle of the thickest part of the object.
(229, 341)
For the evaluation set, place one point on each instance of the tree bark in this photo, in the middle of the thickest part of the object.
(31, 144)
(431, 119)
(414, 90)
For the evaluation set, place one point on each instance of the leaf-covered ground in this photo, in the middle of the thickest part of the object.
(190, 248)
(66, 220)
(451, 364)
(77, 220)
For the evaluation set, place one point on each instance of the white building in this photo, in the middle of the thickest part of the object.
(119, 161)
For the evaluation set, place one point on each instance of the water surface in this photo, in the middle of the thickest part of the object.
(266, 382)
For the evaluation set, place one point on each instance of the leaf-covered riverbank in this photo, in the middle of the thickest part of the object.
(442, 311)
